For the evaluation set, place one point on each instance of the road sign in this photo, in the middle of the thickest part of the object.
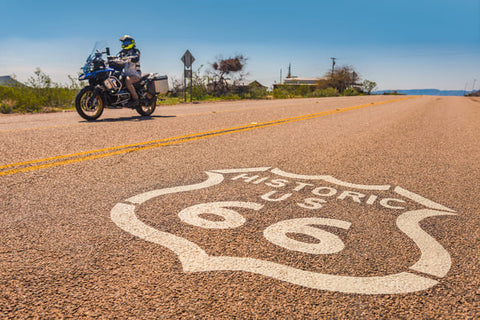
(187, 59)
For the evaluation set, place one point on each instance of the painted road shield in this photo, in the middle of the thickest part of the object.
(310, 230)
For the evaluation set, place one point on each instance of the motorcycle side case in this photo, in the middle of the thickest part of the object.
(157, 83)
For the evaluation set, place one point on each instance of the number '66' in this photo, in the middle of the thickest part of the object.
(276, 233)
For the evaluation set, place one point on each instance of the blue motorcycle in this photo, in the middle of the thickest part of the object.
(106, 87)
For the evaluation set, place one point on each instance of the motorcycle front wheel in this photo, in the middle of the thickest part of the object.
(147, 108)
(88, 106)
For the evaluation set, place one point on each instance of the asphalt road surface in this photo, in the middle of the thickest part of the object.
(333, 208)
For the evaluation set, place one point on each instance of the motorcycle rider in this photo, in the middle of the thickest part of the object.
(130, 58)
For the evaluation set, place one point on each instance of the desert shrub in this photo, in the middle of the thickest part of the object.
(254, 93)
(281, 93)
(230, 96)
(350, 92)
(328, 92)
(39, 94)
(292, 91)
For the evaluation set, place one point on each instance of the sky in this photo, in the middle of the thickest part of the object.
(398, 44)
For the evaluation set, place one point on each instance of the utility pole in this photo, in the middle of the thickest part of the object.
(333, 64)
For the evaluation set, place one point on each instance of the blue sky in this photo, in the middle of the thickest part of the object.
(398, 44)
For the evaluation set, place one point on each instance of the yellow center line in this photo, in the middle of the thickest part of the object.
(100, 122)
(276, 106)
(107, 152)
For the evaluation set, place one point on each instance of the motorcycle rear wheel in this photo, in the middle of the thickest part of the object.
(89, 107)
(148, 108)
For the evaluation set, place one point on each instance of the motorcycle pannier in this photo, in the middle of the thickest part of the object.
(157, 84)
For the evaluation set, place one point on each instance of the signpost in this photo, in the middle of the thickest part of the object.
(187, 60)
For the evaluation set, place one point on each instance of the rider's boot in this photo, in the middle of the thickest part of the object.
(133, 103)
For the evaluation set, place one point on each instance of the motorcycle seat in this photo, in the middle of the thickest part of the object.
(145, 76)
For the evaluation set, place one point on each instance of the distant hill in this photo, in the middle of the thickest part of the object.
(8, 81)
(427, 92)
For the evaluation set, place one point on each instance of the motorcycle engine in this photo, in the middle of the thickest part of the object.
(113, 84)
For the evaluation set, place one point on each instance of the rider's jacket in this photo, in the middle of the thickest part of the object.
(132, 64)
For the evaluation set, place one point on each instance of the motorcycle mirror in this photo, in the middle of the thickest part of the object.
(108, 51)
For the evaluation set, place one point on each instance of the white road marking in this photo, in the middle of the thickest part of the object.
(329, 242)
(213, 179)
(231, 218)
(124, 216)
(419, 199)
(329, 179)
(435, 260)
(195, 259)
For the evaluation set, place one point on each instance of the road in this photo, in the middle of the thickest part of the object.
(338, 208)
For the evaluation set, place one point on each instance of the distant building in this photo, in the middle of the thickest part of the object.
(252, 84)
(248, 87)
(301, 81)
(240, 86)
(298, 81)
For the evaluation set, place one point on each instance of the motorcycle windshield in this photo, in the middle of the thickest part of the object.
(98, 48)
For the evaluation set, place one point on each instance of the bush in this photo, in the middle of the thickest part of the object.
(198, 92)
(292, 91)
(280, 93)
(5, 108)
(350, 92)
(393, 93)
(231, 97)
(254, 93)
(40, 94)
(26, 99)
(328, 92)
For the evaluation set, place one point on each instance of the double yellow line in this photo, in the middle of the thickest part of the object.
(26, 166)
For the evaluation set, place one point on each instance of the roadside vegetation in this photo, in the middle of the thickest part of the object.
(223, 80)
(38, 94)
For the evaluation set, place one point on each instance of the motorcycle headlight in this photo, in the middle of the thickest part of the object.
(87, 68)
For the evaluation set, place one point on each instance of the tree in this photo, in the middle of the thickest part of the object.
(224, 68)
(342, 78)
(40, 80)
(368, 86)
(199, 87)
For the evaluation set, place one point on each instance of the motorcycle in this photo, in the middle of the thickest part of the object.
(106, 87)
